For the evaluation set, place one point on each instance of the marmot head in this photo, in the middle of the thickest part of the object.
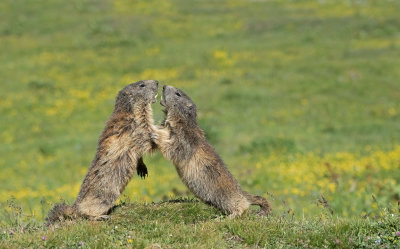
(178, 105)
(139, 93)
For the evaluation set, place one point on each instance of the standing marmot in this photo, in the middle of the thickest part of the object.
(182, 142)
(126, 137)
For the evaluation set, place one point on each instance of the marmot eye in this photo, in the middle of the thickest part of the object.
(178, 94)
(142, 85)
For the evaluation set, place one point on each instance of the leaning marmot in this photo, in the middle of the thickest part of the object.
(126, 137)
(182, 142)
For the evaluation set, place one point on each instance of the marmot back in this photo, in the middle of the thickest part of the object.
(183, 142)
(125, 138)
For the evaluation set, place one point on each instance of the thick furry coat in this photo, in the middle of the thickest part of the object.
(199, 166)
(125, 138)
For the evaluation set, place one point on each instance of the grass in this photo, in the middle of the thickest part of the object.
(187, 223)
(300, 98)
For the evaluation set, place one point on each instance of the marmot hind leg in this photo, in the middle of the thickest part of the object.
(100, 217)
(237, 207)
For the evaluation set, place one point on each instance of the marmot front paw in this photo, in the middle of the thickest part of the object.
(141, 169)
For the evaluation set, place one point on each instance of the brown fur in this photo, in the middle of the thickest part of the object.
(199, 166)
(125, 138)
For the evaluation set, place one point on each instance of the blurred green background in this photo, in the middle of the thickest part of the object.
(300, 98)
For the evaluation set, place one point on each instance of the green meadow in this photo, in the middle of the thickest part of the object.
(300, 98)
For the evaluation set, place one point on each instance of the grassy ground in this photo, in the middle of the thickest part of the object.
(300, 98)
(186, 223)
